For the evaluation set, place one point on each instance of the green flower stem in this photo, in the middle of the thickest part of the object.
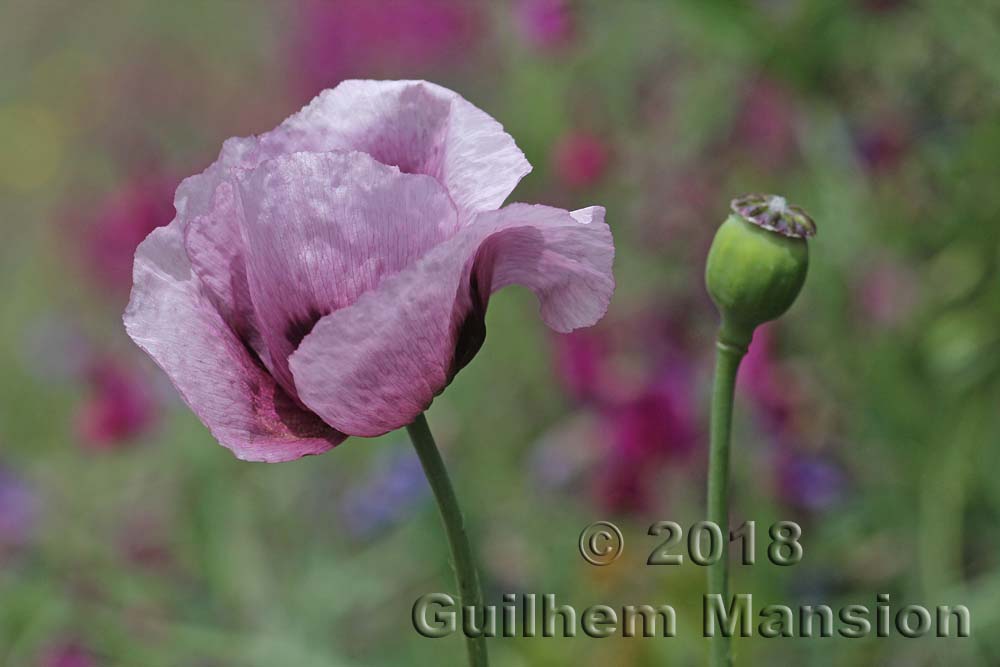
(727, 363)
(461, 553)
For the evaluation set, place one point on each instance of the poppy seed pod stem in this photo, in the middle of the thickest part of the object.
(755, 270)
(727, 362)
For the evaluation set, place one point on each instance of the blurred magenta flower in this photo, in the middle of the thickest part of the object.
(762, 378)
(545, 24)
(635, 376)
(330, 277)
(18, 512)
(339, 39)
(122, 221)
(657, 426)
(660, 422)
(68, 654)
(581, 364)
(118, 408)
(581, 159)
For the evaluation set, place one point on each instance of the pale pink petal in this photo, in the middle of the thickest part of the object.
(170, 318)
(374, 366)
(214, 244)
(418, 126)
(320, 229)
(195, 195)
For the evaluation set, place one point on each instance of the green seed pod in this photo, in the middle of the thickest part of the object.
(757, 264)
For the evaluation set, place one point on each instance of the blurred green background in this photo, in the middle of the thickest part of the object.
(869, 414)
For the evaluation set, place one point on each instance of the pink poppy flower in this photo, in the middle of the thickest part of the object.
(330, 277)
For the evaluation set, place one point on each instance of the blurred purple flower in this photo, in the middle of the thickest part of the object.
(545, 24)
(808, 481)
(18, 512)
(883, 145)
(68, 654)
(122, 221)
(765, 124)
(389, 495)
(803, 480)
(341, 39)
(118, 408)
(580, 159)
